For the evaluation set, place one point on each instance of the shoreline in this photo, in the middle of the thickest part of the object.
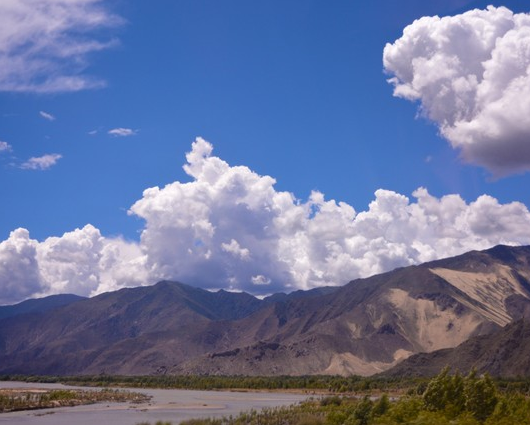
(33, 398)
(166, 405)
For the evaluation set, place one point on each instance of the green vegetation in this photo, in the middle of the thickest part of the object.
(25, 399)
(333, 384)
(317, 383)
(445, 400)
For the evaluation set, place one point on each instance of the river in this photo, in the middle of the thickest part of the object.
(166, 405)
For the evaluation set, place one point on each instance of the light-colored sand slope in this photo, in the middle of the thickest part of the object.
(434, 327)
(489, 290)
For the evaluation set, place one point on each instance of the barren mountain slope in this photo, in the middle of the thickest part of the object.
(38, 305)
(127, 331)
(371, 324)
(505, 353)
(364, 327)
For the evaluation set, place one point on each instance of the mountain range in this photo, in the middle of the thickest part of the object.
(364, 327)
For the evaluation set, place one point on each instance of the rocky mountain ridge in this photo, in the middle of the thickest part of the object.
(38, 305)
(364, 327)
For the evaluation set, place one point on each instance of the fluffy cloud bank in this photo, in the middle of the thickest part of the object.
(44, 43)
(471, 73)
(81, 262)
(230, 228)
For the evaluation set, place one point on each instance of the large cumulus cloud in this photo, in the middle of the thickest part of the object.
(471, 74)
(81, 262)
(228, 227)
(19, 270)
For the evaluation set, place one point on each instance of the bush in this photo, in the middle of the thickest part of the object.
(332, 400)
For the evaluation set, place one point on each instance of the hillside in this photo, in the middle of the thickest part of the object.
(39, 305)
(364, 327)
(503, 353)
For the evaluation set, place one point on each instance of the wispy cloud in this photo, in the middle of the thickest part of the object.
(47, 116)
(44, 44)
(42, 162)
(5, 147)
(122, 132)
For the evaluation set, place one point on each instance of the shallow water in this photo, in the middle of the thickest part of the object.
(166, 405)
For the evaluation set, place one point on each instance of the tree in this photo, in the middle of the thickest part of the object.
(434, 396)
(481, 395)
(445, 392)
(381, 406)
(362, 413)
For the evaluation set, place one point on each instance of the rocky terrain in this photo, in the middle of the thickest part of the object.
(504, 353)
(364, 327)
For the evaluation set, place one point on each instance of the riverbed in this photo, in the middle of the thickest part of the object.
(165, 405)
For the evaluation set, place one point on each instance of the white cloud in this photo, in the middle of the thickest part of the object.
(230, 228)
(19, 270)
(471, 74)
(189, 227)
(42, 162)
(5, 147)
(122, 132)
(46, 116)
(44, 43)
(84, 262)
(260, 280)
(70, 263)
(234, 249)
(81, 262)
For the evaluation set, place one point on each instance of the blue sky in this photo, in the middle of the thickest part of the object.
(292, 90)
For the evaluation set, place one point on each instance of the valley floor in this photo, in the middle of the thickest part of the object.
(444, 400)
(165, 405)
